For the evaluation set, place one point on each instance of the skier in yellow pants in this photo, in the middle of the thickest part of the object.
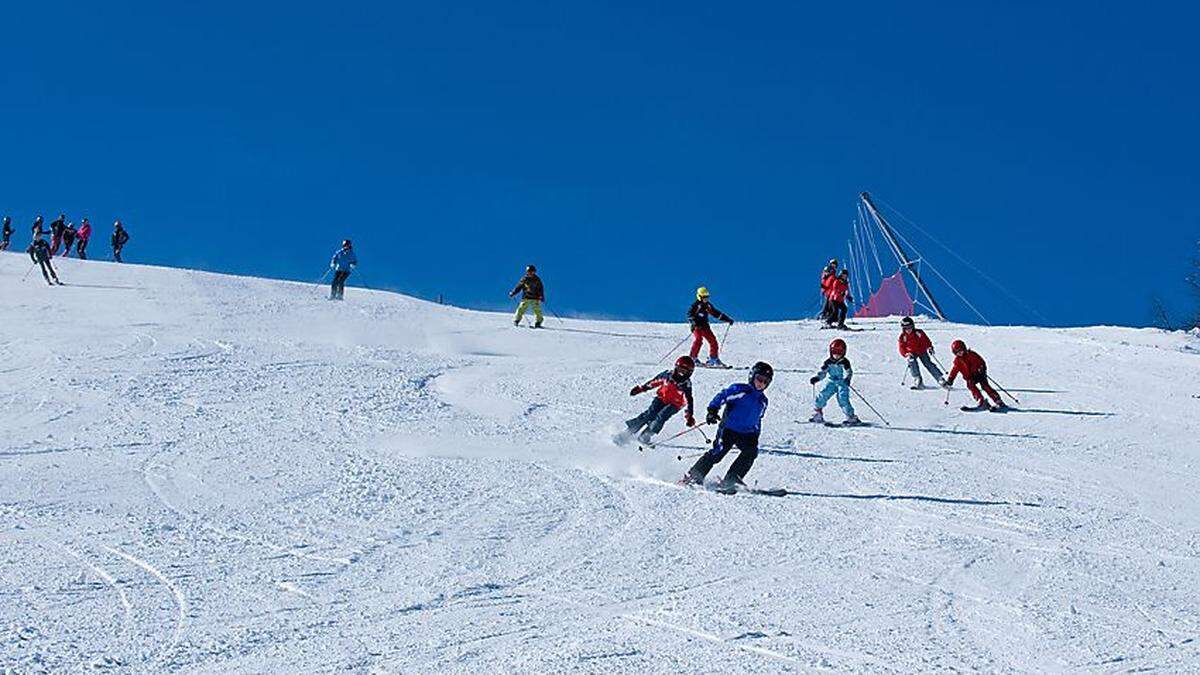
(533, 294)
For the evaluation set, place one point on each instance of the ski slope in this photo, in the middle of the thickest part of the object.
(208, 473)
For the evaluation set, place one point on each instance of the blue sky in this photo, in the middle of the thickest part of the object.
(631, 150)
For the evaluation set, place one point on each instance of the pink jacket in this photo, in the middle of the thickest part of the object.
(84, 232)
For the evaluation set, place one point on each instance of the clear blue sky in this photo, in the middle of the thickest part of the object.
(631, 150)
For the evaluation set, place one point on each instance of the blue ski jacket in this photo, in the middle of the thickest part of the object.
(744, 407)
(343, 260)
(836, 369)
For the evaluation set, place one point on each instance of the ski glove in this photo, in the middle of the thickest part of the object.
(814, 379)
(714, 416)
(691, 421)
(635, 391)
(729, 319)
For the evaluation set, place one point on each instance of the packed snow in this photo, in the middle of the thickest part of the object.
(209, 473)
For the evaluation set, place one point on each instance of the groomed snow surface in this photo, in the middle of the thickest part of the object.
(207, 473)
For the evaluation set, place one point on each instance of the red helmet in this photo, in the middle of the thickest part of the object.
(837, 347)
(957, 347)
(685, 364)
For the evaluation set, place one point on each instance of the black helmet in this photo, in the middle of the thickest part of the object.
(530, 268)
(764, 369)
(346, 243)
(906, 321)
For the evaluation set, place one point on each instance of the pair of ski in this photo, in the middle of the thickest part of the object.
(740, 489)
(994, 408)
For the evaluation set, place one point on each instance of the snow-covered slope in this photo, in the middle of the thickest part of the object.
(211, 474)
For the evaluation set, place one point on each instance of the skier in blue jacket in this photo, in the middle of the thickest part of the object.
(745, 405)
(837, 368)
(342, 264)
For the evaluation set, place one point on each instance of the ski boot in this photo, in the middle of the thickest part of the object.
(918, 386)
(646, 438)
(729, 486)
(691, 479)
(979, 405)
(1000, 407)
(713, 362)
(623, 437)
(852, 421)
(818, 417)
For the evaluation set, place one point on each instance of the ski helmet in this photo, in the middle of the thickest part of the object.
(530, 269)
(346, 243)
(837, 347)
(957, 347)
(764, 370)
(906, 322)
(833, 262)
(686, 365)
(702, 292)
(7, 220)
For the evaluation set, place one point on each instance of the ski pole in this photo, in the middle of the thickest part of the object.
(864, 400)
(1014, 398)
(320, 281)
(947, 401)
(905, 377)
(553, 313)
(671, 438)
(672, 350)
(725, 334)
(28, 271)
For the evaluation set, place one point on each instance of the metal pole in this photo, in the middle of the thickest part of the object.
(671, 438)
(672, 349)
(28, 271)
(898, 250)
(864, 400)
(1014, 398)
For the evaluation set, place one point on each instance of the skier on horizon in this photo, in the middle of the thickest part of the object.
(39, 253)
(68, 239)
(839, 294)
(533, 294)
(745, 405)
(56, 232)
(837, 368)
(915, 345)
(7, 234)
(697, 316)
(84, 234)
(974, 372)
(119, 238)
(674, 394)
(828, 275)
(343, 263)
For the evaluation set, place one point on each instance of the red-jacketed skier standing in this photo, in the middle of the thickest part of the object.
(702, 332)
(974, 371)
(915, 345)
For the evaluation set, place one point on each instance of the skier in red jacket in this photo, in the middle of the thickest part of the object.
(915, 344)
(697, 316)
(974, 371)
(674, 394)
(828, 276)
(839, 294)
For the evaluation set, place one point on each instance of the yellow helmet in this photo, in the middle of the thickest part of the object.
(702, 293)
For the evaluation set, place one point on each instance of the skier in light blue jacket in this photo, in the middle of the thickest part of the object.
(837, 369)
(342, 264)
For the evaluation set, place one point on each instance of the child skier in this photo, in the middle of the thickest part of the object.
(698, 315)
(839, 294)
(974, 371)
(745, 405)
(674, 394)
(915, 344)
(837, 368)
(533, 294)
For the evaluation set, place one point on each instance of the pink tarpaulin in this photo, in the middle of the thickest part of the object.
(892, 299)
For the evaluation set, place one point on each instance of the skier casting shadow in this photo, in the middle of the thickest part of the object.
(39, 253)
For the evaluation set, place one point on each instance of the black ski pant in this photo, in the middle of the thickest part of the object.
(4, 244)
(68, 244)
(746, 443)
(839, 312)
(117, 254)
(653, 419)
(338, 289)
(47, 270)
(81, 249)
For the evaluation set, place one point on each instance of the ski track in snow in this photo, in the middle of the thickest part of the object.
(222, 474)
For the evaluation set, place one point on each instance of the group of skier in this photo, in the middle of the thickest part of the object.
(835, 290)
(63, 235)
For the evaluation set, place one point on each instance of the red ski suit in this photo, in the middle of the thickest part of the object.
(838, 289)
(974, 372)
(915, 343)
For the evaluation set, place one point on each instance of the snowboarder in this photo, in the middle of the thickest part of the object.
(745, 405)
(84, 234)
(533, 294)
(828, 276)
(56, 232)
(974, 371)
(837, 368)
(697, 316)
(119, 238)
(7, 233)
(915, 344)
(343, 263)
(68, 239)
(39, 253)
(674, 394)
(839, 294)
